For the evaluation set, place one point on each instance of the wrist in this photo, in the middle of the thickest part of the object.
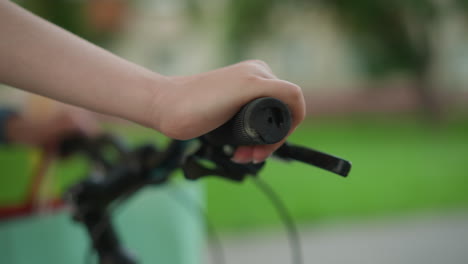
(154, 86)
(168, 110)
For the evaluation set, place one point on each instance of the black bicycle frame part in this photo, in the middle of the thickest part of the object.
(263, 121)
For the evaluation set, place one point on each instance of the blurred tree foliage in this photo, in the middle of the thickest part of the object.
(94, 20)
(69, 15)
(246, 21)
(391, 36)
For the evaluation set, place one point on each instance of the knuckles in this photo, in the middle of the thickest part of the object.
(291, 93)
(253, 65)
(257, 63)
(297, 96)
(252, 79)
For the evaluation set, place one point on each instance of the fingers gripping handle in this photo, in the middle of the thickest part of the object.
(263, 121)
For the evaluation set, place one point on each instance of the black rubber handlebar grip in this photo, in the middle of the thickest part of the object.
(263, 121)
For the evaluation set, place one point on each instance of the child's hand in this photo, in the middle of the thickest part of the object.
(190, 106)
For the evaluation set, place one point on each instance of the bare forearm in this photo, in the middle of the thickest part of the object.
(40, 57)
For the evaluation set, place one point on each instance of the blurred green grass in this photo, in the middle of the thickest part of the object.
(399, 165)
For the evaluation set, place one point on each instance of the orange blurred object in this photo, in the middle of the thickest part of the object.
(106, 15)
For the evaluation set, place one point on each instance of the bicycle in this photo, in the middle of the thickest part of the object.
(262, 121)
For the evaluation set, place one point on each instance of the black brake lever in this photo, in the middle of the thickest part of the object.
(196, 167)
(262, 121)
(313, 157)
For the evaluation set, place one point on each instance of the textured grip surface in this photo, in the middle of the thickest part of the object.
(263, 121)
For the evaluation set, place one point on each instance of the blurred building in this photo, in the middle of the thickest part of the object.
(307, 45)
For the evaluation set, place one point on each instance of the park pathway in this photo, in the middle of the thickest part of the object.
(431, 238)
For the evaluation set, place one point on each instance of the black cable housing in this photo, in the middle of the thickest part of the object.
(285, 216)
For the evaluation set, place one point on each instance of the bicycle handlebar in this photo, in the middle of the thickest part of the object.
(263, 121)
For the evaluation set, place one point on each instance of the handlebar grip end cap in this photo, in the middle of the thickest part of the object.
(263, 121)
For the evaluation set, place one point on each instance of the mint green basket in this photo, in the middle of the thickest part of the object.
(153, 225)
